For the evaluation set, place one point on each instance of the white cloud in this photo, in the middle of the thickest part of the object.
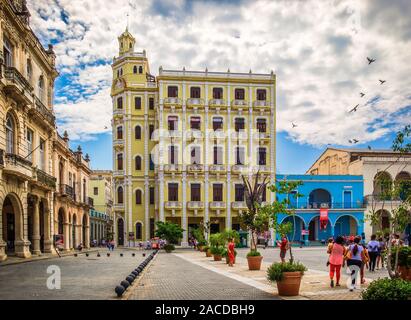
(318, 50)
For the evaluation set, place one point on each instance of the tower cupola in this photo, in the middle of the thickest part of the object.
(126, 42)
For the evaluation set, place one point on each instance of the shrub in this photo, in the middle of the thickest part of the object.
(253, 253)
(169, 247)
(217, 250)
(276, 270)
(169, 231)
(205, 248)
(387, 289)
(404, 256)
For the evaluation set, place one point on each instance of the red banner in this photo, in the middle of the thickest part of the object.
(323, 218)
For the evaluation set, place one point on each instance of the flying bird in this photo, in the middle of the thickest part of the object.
(382, 81)
(369, 147)
(355, 140)
(105, 128)
(294, 125)
(370, 60)
(350, 141)
(362, 94)
(354, 109)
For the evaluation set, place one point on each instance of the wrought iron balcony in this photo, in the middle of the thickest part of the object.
(17, 86)
(45, 179)
(43, 112)
(265, 136)
(66, 190)
(328, 205)
(18, 166)
(1, 157)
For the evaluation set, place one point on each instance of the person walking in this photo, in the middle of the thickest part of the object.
(373, 249)
(329, 247)
(231, 252)
(283, 244)
(337, 252)
(355, 257)
(381, 253)
(365, 261)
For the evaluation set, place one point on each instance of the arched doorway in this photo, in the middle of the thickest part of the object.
(120, 232)
(319, 198)
(139, 231)
(382, 186)
(295, 234)
(315, 231)
(346, 226)
(12, 222)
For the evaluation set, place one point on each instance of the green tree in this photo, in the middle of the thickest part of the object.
(169, 231)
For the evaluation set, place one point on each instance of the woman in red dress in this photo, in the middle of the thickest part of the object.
(231, 254)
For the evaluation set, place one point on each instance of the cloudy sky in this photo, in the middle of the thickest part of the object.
(317, 49)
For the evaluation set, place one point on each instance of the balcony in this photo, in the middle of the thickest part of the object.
(17, 86)
(90, 202)
(217, 205)
(172, 101)
(195, 102)
(217, 103)
(373, 199)
(45, 179)
(195, 205)
(195, 168)
(262, 169)
(118, 173)
(238, 205)
(118, 143)
(175, 134)
(239, 168)
(239, 104)
(217, 168)
(43, 113)
(118, 207)
(328, 205)
(67, 191)
(217, 134)
(262, 136)
(118, 113)
(172, 168)
(194, 134)
(172, 205)
(18, 166)
(263, 104)
(239, 135)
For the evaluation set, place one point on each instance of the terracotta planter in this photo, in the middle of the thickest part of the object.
(254, 263)
(290, 285)
(208, 253)
(218, 257)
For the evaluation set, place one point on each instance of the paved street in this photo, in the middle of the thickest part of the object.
(81, 277)
(171, 277)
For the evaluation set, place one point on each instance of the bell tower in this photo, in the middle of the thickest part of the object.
(126, 42)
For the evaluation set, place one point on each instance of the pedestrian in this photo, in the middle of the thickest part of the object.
(381, 253)
(373, 249)
(365, 261)
(355, 257)
(336, 258)
(231, 253)
(329, 247)
(283, 244)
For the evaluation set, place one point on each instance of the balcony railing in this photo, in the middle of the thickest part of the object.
(242, 135)
(378, 198)
(217, 168)
(90, 201)
(174, 134)
(195, 167)
(261, 103)
(328, 205)
(238, 168)
(172, 205)
(67, 190)
(239, 205)
(195, 102)
(172, 100)
(239, 103)
(45, 113)
(217, 103)
(172, 167)
(194, 134)
(17, 80)
(217, 205)
(46, 179)
(262, 136)
(195, 205)
(17, 165)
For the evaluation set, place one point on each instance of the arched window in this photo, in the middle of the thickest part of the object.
(382, 185)
(119, 132)
(120, 103)
(41, 88)
(137, 132)
(138, 163)
(319, 198)
(120, 161)
(120, 195)
(135, 69)
(140, 69)
(10, 134)
(139, 234)
(138, 196)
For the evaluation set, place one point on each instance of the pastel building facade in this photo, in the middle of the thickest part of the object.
(181, 141)
(340, 197)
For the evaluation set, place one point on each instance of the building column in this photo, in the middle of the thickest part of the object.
(36, 227)
(87, 233)
(228, 216)
(3, 255)
(22, 244)
(146, 209)
(67, 237)
(161, 196)
(49, 226)
(184, 243)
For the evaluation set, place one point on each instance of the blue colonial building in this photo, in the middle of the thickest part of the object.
(339, 199)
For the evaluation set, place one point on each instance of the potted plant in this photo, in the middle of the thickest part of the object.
(287, 276)
(170, 232)
(255, 220)
(227, 235)
(217, 246)
(404, 261)
(387, 289)
(217, 253)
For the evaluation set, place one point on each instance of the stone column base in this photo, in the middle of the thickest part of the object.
(49, 247)
(36, 245)
(3, 255)
(22, 248)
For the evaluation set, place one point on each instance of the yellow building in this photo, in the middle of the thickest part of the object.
(32, 184)
(181, 141)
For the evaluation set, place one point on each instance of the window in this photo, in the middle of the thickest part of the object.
(138, 196)
(239, 124)
(218, 123)
(118, 73)
(120, 132)
(151, 163)
(262, 156)
(195, 155)
(41, 88)
(95, 191)
(217, 155)
(135, 69)
(195, 192)
(121, 71)
(261, 94)
(239, 192)
(120, 198)
(172, 92)
(218, 192)
(140, 69)
(29, 70)
(84, 191)
(151, 195)
(172, 155)
(139, 233)
(120, 103)
(137, 133)
(217, 93)
(8, 52)
(151, 103)
(138, 163)
(172, 123)
(239, 94)
(137, 103)
(70, 179)
(120, 161)
(29, 145)
(239, 155)
(195, 92)
(42, 148)
(261, 125)
(195, 123)
(150, 130)
(173, 192)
